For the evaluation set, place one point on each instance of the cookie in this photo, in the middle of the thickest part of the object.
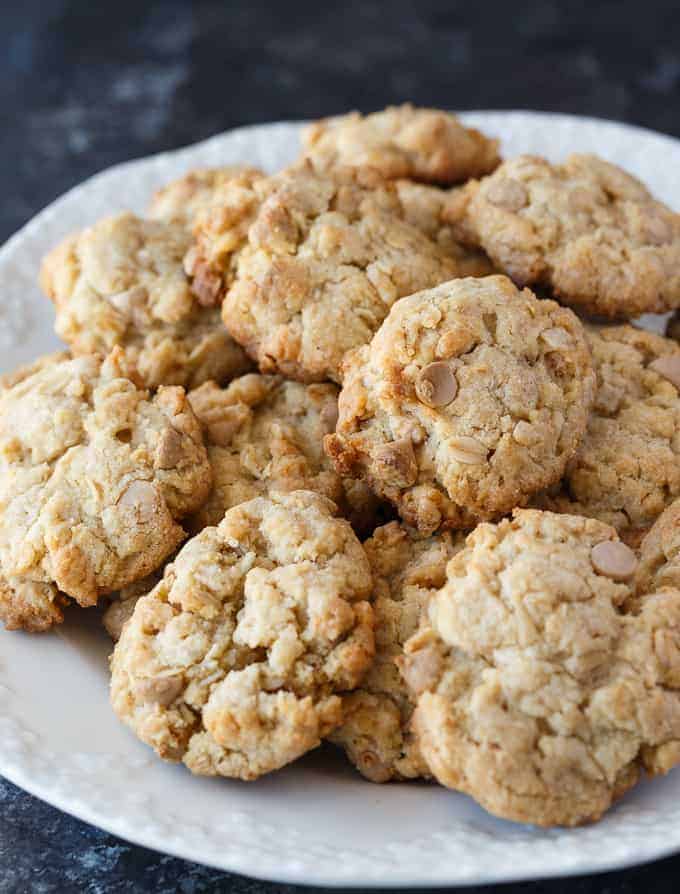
(428, 145)
(122, 605)
(537, 693)
(426, 208)
(121, 283)
(325, 256)
(179, 201)
(233, 663)
(94, 475)
(585, 229)
(659, 564)
(627, 469)
(264, 435)
(375, 732)
(471, 397)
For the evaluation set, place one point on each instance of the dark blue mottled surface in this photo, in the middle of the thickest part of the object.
(84, 84)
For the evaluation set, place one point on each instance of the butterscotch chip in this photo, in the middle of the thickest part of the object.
(121, 283)
(403, 141)
(437, 385)
(179, 201)
(459, 456)
(310, 264)
(233, 663)
(90, 505)
(265, 435)
(375, 732)
(537, 691)
(508, 194)
(615, 560)
(668, 366)
(627, 469)
(585, 229)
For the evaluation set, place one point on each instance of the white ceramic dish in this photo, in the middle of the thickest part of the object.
(316, 822)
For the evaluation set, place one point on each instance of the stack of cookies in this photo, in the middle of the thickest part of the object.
(368, 451)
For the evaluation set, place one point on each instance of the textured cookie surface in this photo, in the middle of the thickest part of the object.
(659, 564)
(121, 283)
(537, 693)
(586, 229)
(627, 469)
(427, 208)
(179, 201)
(264, 435)
(93, 477)
(312, 262)
(471, 397)
(233, 662)
(402, 141)
(375, 732)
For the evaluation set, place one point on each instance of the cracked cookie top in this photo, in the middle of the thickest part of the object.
(428, 145)
(586, 229)
(537, 693)
(311, 263)
(121, 283)
(234, 661)
(93, 477)
(471, 397)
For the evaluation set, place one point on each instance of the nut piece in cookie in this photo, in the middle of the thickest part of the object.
(471, 397)
(537, 692)
(311, 263)
(264, 435)
(121, 283)
(429, 145)
(234, 662)
(627, 469)
(179, 201)
(585, 229)
(94, 475)
(375, 732)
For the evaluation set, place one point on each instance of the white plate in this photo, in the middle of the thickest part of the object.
(316, 822)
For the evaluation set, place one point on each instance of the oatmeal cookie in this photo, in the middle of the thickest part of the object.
(585, 229)
(265, 435)
(627, 469)
(324, 258)
(660, 553)
(121, 283)
(536, 692)
(179, 201)
(94, 475)
(234, 662)
(426, 207)
(471, 397)
(429, 145)
(122, 605)
(375, 732)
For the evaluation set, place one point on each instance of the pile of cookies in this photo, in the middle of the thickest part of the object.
(367, 451)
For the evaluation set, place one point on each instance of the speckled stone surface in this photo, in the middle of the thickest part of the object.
(84, 85)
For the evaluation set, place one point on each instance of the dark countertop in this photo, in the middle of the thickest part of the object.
(84, 85)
